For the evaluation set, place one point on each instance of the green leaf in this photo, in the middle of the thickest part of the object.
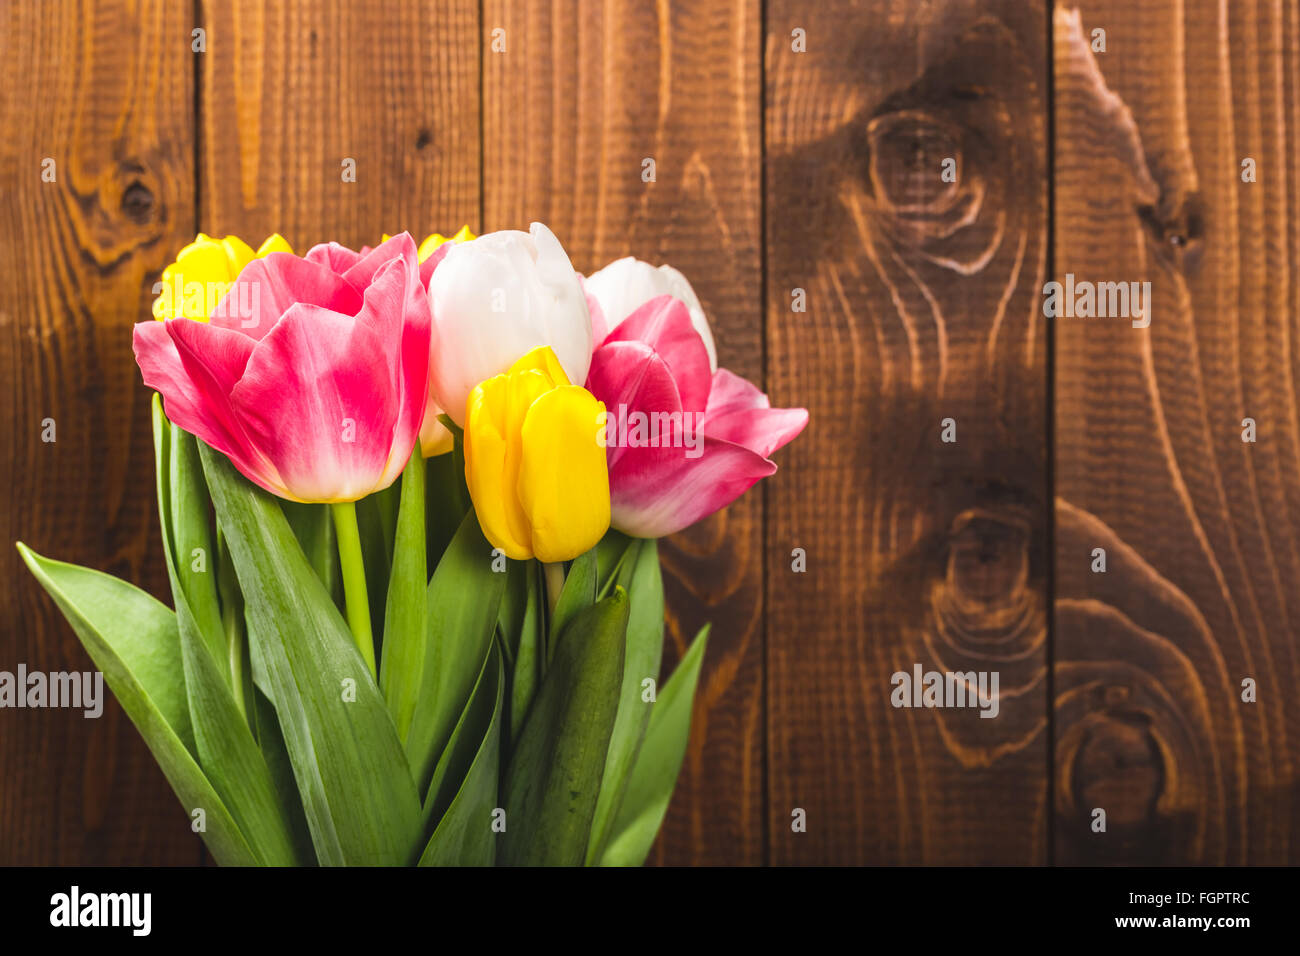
(227, 752)
(654, 775)
(578, 593)
(187, 540)
(463, 598)
(133, 640)
(231, 758)
(640, 575)
(611, 551)
(406, 614)
(464, 792)
(376, 557)
(447, 502)
(357, 794)
(554, 776)
(313, 526)
(527, 671)
(270, 740)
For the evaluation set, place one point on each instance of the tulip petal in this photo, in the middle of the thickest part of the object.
(495, 414)
(335, 257)
(363, 271)
(318, 398)
(599, 324)
(731, 393)
(738, 412)
(627, 283)
(194, 366)
(762, 431)
(630, 377)
(563, 480)
(397, 311)
(435, 439)
(664, 324)
(273, 243)
(658, 491)
(427, 266)
(542, 359)
(267, 288)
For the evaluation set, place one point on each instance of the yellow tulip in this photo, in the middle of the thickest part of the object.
(431, 243)
(204, 271)
(534, 463)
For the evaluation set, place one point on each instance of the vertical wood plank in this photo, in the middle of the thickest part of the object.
(104, 90)
(1202, 585)
(290, 91)
(578, 98)
(922, 304)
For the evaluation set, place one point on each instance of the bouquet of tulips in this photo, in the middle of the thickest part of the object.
(409, 503)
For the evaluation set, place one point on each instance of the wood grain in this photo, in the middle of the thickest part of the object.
(292, 90)
(922, 305)
(104, 90)
(1202, 587)
(580, 96)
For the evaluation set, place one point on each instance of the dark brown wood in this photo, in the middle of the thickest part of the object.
(290, 91)
(582, 94)
(1202, 584)
(106, 93)
(922, 305)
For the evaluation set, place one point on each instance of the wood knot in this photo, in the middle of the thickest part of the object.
(1177, 235)
(1119, 766)
(916, 162)
(138, 202)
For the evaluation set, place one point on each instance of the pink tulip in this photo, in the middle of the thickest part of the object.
(310, 376)
(681, 441)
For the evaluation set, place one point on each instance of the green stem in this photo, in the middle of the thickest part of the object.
(554, 584)
(354, 579)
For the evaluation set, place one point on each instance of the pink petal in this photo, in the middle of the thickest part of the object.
(761, 430)
(732, 393)
(333, 256)
(318, 398)
(658, 491)
(630, 377)
(738, 412)
(193, 366)
(664, 323)
(397, 310)
(267, 288)
(364, 270)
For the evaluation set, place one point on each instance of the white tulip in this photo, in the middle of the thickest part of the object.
(497, 297)
(626, 284)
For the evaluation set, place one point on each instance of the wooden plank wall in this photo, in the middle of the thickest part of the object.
(1202, 585)
(922, 299)
(797, 150)
(106, 93)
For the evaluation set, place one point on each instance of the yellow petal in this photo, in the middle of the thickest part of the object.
(204, 270)
(238, 255)
(542, 359)
(274, 243)
(564, 480)
(431, 243)
(197, 268)
(494, 416)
